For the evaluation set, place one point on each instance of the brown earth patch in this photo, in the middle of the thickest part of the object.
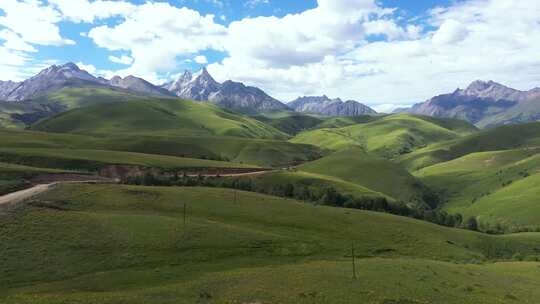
(65, 177)
(124, 171)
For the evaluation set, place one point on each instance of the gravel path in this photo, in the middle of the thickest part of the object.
(19, 196)
(22, 195)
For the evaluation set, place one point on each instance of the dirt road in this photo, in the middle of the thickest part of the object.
(22, 195)
(19, 196)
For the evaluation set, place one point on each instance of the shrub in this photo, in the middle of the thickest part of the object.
(471, 224)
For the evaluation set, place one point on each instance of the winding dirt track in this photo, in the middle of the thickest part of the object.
(19, 196)
(22, 195)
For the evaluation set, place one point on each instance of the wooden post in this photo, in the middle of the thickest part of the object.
(185, 220)
(353, 261)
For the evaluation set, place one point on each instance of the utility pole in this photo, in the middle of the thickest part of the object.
(353, 261)
(185, 231)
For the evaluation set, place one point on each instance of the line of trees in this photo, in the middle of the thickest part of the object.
(327, 196)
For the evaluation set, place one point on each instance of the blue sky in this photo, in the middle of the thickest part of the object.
(385, 53)
(225, 11)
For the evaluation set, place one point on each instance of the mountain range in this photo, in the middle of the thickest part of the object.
(49, 79)
(483, 103)
(330, 107)
(200, 86)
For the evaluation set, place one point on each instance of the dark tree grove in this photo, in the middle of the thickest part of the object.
(327, 196)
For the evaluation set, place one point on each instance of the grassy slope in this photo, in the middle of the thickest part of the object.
(388, 136)
(92, 160)
(83, 96)
(344, 121)
(6, 110)
(66, 98)
(267, 153)
(506, 137)
(128, 245)
(524, 111)
(158, 116)
(498, 186)
(315, 182)
(378, 174)
(291, 124)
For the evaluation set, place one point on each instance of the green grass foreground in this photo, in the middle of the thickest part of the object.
(123, 244)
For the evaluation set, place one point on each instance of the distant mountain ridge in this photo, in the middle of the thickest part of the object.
(138, 85)
(201, 86)
(330, 107)
(485, 104)
(53, 77)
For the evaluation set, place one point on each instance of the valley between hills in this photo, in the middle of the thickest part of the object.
(159, 197)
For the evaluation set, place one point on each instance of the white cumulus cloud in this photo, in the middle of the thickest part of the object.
(329, 49)
(289, 56)
(155, 43)
(121, 60)
(34, 22)
(451, 31)
(201, 59)
(89, 11)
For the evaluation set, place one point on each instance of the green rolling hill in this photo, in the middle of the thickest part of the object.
(8, 111)
(276, 183)
(501, 138)
(498, 187)
(260, 152)
(290, 122)
(108, 244)
(72, 97)
(341, 121)
(18, 115)
(93, 160)
(128, 244)
(378, 174)
(389, 136)
(161, 117)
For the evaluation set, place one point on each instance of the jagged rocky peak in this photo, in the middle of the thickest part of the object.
(202, 77)
(201, 86)
(53, 77)
(484, 103)
(329, 107)
(491, 89)
(479, 86)
(175, 86)
(138, 85)
(70, 66)
(6, 87)
(65, 71)
(186, 77)
(115, 80)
